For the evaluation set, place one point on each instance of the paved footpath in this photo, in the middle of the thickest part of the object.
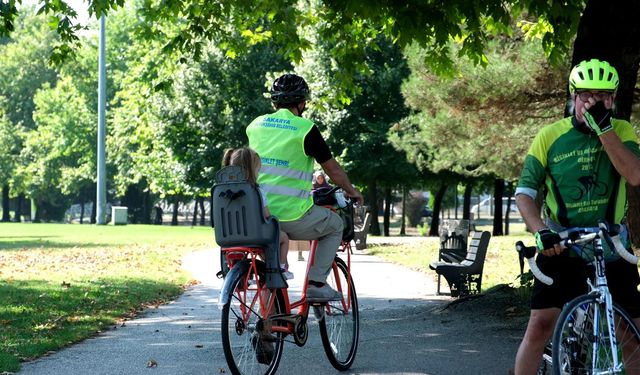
(399, 332)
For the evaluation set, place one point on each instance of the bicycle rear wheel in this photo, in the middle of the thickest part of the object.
(578, 348)
(249, 346)
(339, 320)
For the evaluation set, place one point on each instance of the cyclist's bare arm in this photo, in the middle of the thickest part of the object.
(530, 212)
(531, 215)
(338, 176)
(625, 162)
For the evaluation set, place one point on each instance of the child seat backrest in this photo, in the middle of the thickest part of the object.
(237, 211)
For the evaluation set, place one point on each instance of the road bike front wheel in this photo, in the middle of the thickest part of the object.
(340, 320)
(249, 346)
(578, 348)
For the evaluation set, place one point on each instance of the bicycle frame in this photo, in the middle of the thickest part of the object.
(601, 289)
(265, 303)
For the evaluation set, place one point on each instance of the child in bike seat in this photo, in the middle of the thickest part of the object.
(249, 161)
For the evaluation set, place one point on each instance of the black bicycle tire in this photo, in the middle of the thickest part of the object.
(224, 324)
(342, 365)
(568, 309)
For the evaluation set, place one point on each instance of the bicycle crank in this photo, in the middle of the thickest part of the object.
(300, 329)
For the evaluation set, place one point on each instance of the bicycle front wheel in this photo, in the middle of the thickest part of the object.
(581, 341)
(339, 320)
(250, 347)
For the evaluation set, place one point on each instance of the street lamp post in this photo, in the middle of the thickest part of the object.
(101, 198)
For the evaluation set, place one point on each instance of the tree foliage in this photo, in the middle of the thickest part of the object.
(503, 104)
(59, 158)
(351, 26)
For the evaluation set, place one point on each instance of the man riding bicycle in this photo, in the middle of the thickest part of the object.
(583, 163)
(288, 145)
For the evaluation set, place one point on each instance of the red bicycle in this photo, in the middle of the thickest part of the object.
(257, 321)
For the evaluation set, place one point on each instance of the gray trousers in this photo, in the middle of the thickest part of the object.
(324, 225)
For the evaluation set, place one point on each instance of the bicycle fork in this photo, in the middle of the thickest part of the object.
(604, 297)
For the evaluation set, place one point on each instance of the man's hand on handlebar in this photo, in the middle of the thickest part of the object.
(548, 242)
(354, 195)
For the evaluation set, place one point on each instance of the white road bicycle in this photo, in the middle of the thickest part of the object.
(593, 334)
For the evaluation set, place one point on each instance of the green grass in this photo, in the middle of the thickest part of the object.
(501, 265)
(61, 283)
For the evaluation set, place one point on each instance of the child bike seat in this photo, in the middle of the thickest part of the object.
(238, 216)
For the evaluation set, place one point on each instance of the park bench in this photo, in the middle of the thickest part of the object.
(361, 231)
(466, 277)
(453, 249)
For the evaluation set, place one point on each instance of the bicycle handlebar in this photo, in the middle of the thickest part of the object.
(578, 236)
(333, 190)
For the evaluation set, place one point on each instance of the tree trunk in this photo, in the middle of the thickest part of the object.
(437, 204)
(82, 212)
(373, 198)
(455, 203)
(17, 214)
(94, 209)
(146, 207)
(498, 192)
(6, 202)
(37, 218)
(608, 30)
(194, 220)
(387, 210)
(174, 216)
(507, 213)
(202, 213)
(404, 206)
(466, 203)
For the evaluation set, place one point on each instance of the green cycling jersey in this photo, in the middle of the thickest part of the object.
(581, 185)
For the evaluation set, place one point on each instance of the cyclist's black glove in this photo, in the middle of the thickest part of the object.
(546, 238)
(598, 118)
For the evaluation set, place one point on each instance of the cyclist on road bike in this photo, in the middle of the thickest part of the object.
(288, 145)
(583, 163)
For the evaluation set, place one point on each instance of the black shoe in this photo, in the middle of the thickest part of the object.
(264, 349)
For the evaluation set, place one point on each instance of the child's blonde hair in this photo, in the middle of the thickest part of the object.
(245, 158)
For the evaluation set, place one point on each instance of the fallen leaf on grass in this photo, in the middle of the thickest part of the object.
(152, 363)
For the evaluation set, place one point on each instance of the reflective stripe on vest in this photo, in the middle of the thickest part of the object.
(286, 173)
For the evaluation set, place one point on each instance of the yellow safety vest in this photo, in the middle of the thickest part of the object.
(287, 172)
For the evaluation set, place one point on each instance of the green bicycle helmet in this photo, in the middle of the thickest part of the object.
(593, 75)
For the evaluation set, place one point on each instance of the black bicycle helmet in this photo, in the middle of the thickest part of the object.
(289, 89)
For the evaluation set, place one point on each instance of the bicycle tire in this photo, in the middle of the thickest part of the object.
(241, 341)
(574, 345)
(340, 326)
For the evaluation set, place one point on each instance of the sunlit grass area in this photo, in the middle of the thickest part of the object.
(61, 283)
(501, 265)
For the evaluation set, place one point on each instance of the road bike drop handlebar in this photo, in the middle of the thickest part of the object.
(575, 237)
